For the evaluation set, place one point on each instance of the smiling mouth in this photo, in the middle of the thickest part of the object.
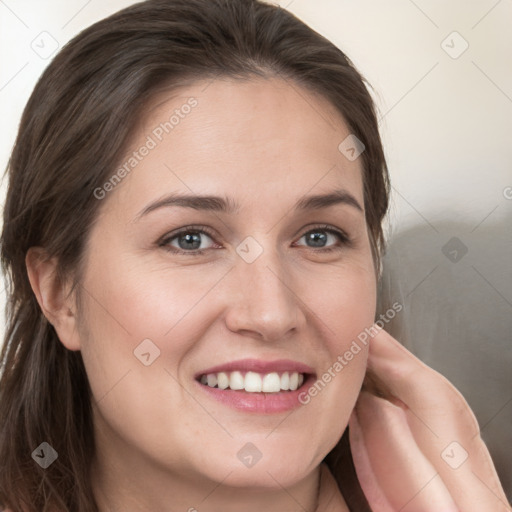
(253, 382)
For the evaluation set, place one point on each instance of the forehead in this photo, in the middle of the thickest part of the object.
(250, 139)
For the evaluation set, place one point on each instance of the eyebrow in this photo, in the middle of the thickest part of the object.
(227, 205)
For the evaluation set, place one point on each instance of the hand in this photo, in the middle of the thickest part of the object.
(415, 442)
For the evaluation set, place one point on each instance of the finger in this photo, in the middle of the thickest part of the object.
(441, 421)
(375, 495)
(394, 473)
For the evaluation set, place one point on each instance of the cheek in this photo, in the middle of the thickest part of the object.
(134, 309)
(131, 312)
(344, 299)
(131, 302)
(345, 312)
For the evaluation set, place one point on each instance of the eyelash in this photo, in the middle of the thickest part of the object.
(343, 238)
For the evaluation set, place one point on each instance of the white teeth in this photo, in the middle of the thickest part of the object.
(294, 381)
(254, 382)
(271, 383)
(236, 381)
(285, 381)
(222, 380)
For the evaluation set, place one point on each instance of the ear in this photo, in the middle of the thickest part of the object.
(53, 296)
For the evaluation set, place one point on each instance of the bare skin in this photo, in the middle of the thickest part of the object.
(162, 442)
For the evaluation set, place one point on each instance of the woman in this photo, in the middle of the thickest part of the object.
(193, 236)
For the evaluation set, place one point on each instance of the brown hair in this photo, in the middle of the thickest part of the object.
(73, 132)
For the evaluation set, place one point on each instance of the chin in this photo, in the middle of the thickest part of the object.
(263, 460)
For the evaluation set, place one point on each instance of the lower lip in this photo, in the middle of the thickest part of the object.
(263, 403)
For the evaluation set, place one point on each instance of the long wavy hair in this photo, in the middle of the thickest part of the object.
(73, 132)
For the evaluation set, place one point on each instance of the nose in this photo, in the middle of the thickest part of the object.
(263, 301)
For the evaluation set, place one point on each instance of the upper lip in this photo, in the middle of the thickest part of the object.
(258, 366)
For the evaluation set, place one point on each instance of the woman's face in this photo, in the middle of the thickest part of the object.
(264, 297)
